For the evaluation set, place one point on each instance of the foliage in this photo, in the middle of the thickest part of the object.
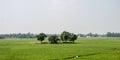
(108, 34)
(1, 37)
(31, 35)
(19, 35)
(73, 37)
(112, 34)
(53, 39)
(66, 36)
(41, 36)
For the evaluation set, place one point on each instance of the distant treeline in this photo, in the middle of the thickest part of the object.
(108, 34)
(19, 35)
(31, 35)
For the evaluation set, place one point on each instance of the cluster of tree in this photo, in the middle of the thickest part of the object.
(53, 39)
(65, 36)
(2, 37)
(112, 34)
(89, 35)
(19, 35)
(108, 34)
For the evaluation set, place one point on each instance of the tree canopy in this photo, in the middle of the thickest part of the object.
(53, 39)
(41, 36)
(73, 37)
(66, 36)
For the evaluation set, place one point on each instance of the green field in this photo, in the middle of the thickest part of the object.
(83, 49)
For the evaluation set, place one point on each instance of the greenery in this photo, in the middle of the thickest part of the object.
(73, 37)
(83, 49)
(19, 35)
(31, 35)
(66, 36)
(2, 37)
(41, 37)
(112, 34)
(108, 34)
(53, 39)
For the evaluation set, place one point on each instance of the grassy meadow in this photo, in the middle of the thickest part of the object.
(83, 49)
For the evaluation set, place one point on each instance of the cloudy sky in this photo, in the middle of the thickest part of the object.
(55, 16)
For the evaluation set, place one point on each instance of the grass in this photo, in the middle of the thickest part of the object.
(84, 49)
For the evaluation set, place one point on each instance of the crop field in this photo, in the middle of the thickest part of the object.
(83, 49)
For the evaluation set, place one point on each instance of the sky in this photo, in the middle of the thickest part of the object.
(55, 16)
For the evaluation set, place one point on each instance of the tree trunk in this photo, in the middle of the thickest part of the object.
(73, 42)
(41, 42)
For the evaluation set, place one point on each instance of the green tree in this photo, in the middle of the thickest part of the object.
(73, 37)
(41, 37)
(53, 39)
(65, 36)
(2, 37)
(96, 35)
(90, 34)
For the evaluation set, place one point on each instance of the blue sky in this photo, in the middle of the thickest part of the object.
(55, 16)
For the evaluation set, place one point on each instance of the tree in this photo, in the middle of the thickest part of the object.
(53, 39)
(82, 35)
(73, 37)
(90, 34)
(109, 34)
(41, 37)
(96, 35)
(65, 36)
(2, 37)
(112, 34)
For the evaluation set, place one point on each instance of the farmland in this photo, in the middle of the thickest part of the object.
(83, 49)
